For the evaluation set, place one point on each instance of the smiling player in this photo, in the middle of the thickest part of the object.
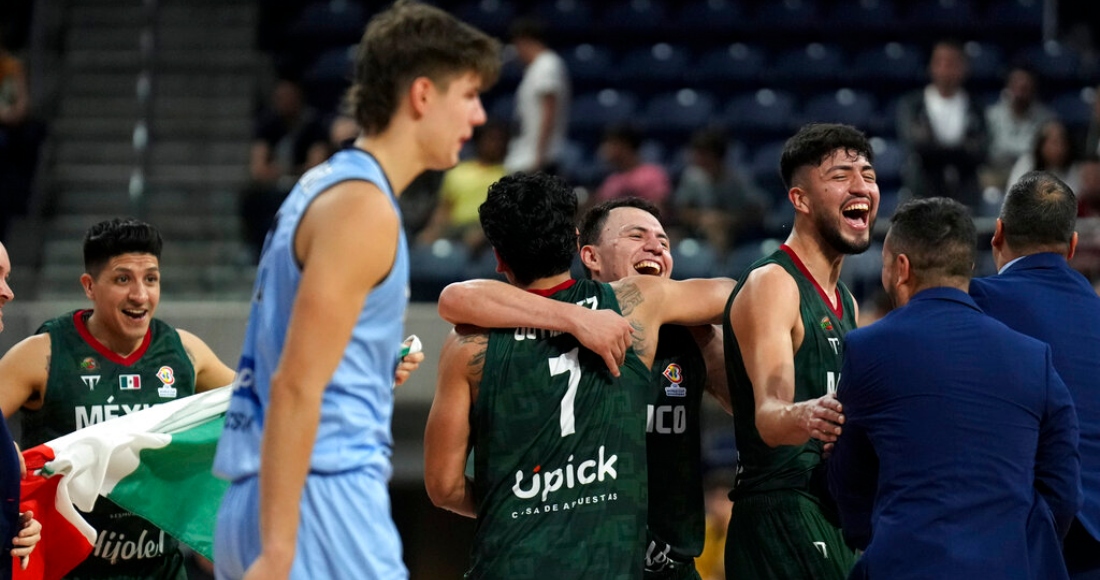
(784, 333)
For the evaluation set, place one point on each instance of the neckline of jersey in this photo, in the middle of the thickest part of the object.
(80, 321)
(545, 292)
(839, 309)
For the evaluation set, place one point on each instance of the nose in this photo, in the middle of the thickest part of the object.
(653, 244)
(6, 293)
(862, 185)
(479, 116)
(138, 292)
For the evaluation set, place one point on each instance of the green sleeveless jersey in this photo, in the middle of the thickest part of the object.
(559, 455)
(816, 372)
(88, 384)
(677, 522)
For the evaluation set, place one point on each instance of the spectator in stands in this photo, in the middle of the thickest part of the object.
(630, 176)
(713, 200)
(1052, 151)
(465, 187)
(1013, 122)
(289, 139)
(943, 130)
(20, 138)
(1092, 141)
(542, 103)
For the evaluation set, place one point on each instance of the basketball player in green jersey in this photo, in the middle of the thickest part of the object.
(624, 237)
(92, 365)
(784, 332)
(559, 483)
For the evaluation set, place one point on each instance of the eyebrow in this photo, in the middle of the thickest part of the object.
(849, 167)
(643, 229)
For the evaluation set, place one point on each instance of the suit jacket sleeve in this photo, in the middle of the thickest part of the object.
(853, 467)
(1057, 461)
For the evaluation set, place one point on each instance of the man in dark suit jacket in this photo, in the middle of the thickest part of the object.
(958, 457)
(1038, 294)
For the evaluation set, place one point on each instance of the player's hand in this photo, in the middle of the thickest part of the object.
(24, 542)
(607, 334)
(409, 363)
(821, 418)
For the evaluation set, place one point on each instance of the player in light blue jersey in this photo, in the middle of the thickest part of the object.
(309, 497)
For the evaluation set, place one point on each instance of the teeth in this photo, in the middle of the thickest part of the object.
(648, 265)
(861, 206)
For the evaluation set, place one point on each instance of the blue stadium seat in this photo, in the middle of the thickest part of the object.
(889, 160)
(334, 22)
(588, 62)
(683, 110)
(745, 254)
(711, 15)
(987, 63)
(492, 16)
(660, 63)
(765, 169)
(815, 61)
(786, 15)
(433, 266)
(894, 61)
(1053, 60)
(595, 111)
(1074, 107)
(1015, 14)
(634, 16)
(841, 106)
(735, 62)
(862, 273)
(937, 16)
(502, 107)
(765, 110)
(333, 65)
(878, 16)
(572, 16)
(694, 258)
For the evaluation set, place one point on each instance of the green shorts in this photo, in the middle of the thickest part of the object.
(783, 535)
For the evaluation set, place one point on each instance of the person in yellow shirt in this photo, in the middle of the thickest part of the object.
(464, 189)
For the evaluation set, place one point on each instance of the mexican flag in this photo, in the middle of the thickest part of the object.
(155, 463)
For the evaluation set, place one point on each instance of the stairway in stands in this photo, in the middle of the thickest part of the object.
(154, 120)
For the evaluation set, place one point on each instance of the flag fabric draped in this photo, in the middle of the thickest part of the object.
(155, 463)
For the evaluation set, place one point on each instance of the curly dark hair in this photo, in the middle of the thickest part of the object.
(118, 236)
(411, 40)
(529, 220)
(816, 141)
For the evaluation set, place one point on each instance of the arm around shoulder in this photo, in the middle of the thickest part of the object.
(447, 435)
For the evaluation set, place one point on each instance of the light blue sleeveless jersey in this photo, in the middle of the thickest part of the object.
(357, 407)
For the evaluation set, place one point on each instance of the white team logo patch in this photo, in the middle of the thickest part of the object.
(91, 381)
(167, 378)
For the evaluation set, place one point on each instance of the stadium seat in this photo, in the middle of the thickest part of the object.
(889, 161)
(745, 254)
(630, 17)
(767, 111)
(331, 22)
(694, 258)
(786, 15)
(433, 266)
(588, 63)
(492, 16)
(683, 110)
(986, 62)
(657, 64)
(1020, 15)
(333, 65)
(765, 168)
(502, 107)
(595, 111)
(1075, 107)
(937, 17)
(893, 61)
(736, 62)
(711, 15)
(841, 106)
(877, 16)
(571, 16)
(813, 62)
(1053, 60)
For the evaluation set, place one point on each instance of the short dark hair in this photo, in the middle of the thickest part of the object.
(816, 141)
(118, 236)
(529, 219)
(411, 40)
(1039, 210)
(938, 236)
(593, 220)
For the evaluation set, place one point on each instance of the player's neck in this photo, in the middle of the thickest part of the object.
(120, 345)
(547, 283)
(391, 150)
(822, 262)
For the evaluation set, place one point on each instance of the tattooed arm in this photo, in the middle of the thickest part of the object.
(23, 374)
(447, 436)
(648, 302)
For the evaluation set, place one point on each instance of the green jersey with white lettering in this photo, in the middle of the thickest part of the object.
(559, 455)
(816, 372)
(677, 522)
(88, 384)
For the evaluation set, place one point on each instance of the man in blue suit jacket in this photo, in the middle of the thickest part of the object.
(1038, 294)
(958, 457)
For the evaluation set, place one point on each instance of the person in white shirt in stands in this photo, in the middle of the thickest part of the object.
(542, 103)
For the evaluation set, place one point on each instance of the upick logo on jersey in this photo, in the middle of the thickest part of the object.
(546, 482)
